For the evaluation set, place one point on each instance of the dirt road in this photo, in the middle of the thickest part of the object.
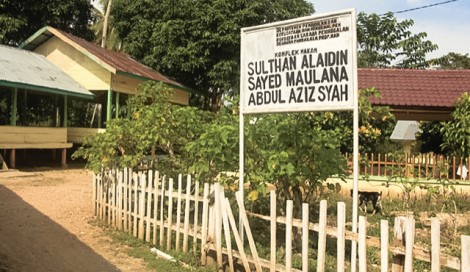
(45, 225)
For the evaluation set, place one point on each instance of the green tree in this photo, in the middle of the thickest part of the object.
(456, 134)
(383, 41)
(452, 61)
(21, 19)
(197, 42)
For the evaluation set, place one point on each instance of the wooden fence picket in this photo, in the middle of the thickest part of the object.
(170, 214)
(141, 203)
(186, 214)
(178, 212)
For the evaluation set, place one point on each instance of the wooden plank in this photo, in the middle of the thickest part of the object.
(218, 224)
(305, 237)
(384, 245)
(228, 211)
(126, 198)
(465, 253)
(362, 249)
(398, 240)
(228, 238)
(409, 243)
(178, 212)
(5, 145)
(76, 135)
(435, 244)
(170, 214)
(148, 199)
(155, 205)
(247, 228)
(205, 219)
(162, 203)
(273, 210)
(196, 214)
(186, 214)
(341, 244)
(119, 199)
(322, 237)
(289, 216)
(141, 209)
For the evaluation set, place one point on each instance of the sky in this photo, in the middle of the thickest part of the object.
(447, 25)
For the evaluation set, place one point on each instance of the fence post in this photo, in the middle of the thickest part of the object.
(435, 245)
(205, 219)
(162, 205)
(148, 192)
(289, 208)
(305, 222)
(384, 245)
(155, 205)
(322, 237)
(228, 239)
(341, 223)
(465, 258)
(398, 240)
(273, 210)
(362, 247)
(218, 224)
(125, 198)
(141, 209)
(196, 213)
(409, 242)
(136, 193)
(170, 214)
(178, 212)
(186, 214)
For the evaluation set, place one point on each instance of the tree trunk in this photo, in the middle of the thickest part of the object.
(105, 24)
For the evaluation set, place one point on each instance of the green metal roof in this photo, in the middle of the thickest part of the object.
(25, 69)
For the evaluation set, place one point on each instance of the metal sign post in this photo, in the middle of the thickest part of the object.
(301, 65)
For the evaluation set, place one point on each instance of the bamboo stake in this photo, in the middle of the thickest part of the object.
(186, 214)
(95, 185)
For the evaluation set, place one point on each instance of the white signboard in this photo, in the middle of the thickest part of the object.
(305, 64)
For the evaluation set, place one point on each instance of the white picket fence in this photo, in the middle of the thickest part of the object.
(149, 207)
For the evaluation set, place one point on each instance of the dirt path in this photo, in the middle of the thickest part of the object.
(44, 225)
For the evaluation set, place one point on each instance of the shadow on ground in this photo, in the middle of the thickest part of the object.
(30, 241)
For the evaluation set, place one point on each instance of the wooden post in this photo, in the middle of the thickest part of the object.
(109, 105)
(178, 212)
(246, 226)
(148, 190)
(66, 115)
(117, 105)
(322, 237)
(125, 198)
(384, 245)
(465, 258)
(162, 203)
(409, 243)
(272, 196)
(341, 222)
(305, 237)
(435, 245)
(398, 261)
(155, 205)
(136, 193)
(218, 225)
(289, 217)
(143, 186)
(63, 160)
(362, 248)
(228, 211)
(12, 158)
(14, 107)
(186, 214)
(196, 214)
(170, 214)
(228, 238)
(205, 211)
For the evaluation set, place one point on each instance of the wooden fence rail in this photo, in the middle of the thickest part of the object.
(420, 166)
(149, 207)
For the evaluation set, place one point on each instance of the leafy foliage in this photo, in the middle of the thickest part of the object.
(153, 122)
(452, 61)
(20, 19)
(384, 41)
(456, 134)
(196, 42)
